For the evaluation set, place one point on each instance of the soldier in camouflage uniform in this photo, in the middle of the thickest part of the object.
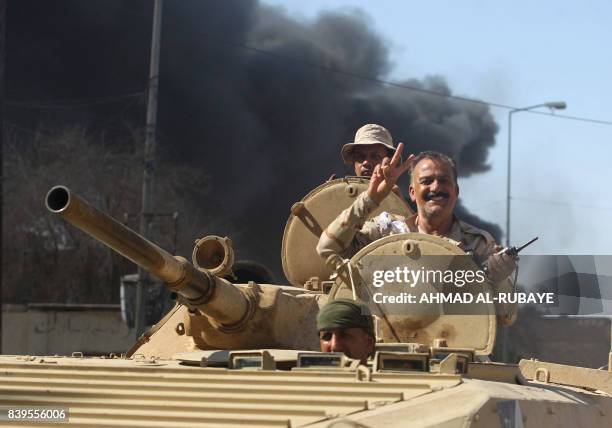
(434, 189)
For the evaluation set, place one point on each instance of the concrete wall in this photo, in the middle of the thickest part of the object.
(583, 342)
(63, 329)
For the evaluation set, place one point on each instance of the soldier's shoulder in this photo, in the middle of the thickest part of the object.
(473, 230)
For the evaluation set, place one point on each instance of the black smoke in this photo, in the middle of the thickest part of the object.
(265, 127)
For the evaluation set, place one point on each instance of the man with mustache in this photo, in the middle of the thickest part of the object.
(434, 189)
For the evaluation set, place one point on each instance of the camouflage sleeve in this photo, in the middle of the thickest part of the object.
(349, 232)
(483, 247)
(476, 241)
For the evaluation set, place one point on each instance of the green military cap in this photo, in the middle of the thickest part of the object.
(344, 313)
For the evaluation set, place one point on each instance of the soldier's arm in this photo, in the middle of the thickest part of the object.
(484, 248)
(499, 270)
(348, 233)
(499, 266)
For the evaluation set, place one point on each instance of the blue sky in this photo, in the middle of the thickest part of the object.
(517, 53)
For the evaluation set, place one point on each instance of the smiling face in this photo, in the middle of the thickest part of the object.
(365, 158)
(354, 342)
(434, 188)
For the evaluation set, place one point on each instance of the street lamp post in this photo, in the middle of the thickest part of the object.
(553, 105)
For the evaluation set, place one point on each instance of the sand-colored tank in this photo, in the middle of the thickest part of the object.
(246, 354)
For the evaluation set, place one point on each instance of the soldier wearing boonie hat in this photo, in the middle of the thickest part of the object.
(367, 135)
(371, 145)
(345, 326)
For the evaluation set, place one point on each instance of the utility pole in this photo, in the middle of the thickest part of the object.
(149, 162)
(2, 63)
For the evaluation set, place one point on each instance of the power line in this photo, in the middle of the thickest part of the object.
(22, 129)
(84, 102)
(395, 84)
(71, 103)
(571, 204)
(358, 76)
(565, 116)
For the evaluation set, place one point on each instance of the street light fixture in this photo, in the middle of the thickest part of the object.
(553, 105)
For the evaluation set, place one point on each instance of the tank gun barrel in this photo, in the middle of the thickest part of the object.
(197, 288)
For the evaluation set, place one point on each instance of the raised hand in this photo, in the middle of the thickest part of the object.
(500, 265)
(387, 173)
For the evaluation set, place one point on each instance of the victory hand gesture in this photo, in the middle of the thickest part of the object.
(386, 174)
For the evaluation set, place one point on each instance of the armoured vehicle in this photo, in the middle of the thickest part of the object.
(246, 354)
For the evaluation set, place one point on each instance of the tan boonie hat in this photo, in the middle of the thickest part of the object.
(367, 135)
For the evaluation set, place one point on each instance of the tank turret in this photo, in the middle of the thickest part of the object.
(215, 314)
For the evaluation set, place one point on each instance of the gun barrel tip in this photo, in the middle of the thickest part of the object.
(57, 198)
